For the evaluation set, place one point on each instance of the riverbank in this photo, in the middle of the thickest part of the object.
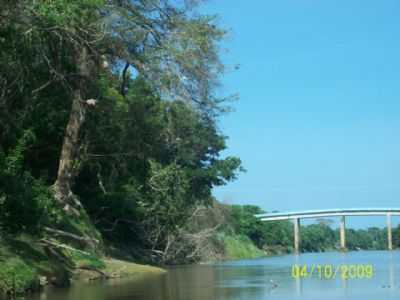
(240, 247)
(115, 268)
(26, 266)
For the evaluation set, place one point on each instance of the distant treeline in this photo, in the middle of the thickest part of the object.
(278, 236)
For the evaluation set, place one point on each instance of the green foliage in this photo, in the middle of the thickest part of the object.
(317, 238)
(85, 260)
(168, 197)
(16, 277)
(66, 12)
(25, 202)
(13, 164)
(149, 152)
(149, 165)
(373, 238)
(23, 261)
(240, 247)
(396, 237)
(277, 237)
(266, 235)
(245, 223)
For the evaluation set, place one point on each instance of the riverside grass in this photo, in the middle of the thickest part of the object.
(24, 264)
(240, 247)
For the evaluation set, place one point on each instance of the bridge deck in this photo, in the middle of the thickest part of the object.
(329, 213)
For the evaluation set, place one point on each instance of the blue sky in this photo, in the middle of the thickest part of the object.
(317, 123)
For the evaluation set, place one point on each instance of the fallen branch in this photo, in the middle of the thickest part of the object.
(59, 245)
(71, 235)
(117, 274)
(88, 268)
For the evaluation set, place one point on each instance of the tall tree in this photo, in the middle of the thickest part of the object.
(166, 42)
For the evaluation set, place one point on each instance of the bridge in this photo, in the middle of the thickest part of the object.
(342, 213)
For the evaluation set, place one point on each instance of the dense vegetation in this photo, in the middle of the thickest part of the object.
(277, 237)
(108, 108)
(109, 142)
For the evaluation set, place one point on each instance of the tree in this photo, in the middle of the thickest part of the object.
(111, 104)
(173, 48)
(147, 164)
(317, 237)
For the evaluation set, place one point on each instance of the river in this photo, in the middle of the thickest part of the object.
(363, 275)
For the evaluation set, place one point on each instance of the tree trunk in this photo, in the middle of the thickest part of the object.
(67, 169)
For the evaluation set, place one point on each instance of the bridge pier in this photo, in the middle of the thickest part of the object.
(389, 231)
(343, 233)
(296, 216)
(296, 235)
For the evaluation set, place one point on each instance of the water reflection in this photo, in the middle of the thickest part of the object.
(259, 279)
(298, 280)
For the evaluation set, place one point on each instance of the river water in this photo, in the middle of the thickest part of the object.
(369, 275)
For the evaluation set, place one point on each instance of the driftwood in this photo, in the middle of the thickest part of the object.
(103, 274)
(53, 252)
(53, 243)
(84, 239)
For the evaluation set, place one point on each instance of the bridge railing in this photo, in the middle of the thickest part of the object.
(342, 213)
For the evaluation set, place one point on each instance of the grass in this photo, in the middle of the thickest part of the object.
(126, 269)
(83, 260)
(23, 261)
(240, 247)
(16, 277)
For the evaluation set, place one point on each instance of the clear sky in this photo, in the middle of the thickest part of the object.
(317, 123)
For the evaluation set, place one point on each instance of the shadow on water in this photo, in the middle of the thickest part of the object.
(268, 278)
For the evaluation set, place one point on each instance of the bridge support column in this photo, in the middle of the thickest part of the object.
(389, 231)
(296, 235)
(343, 233)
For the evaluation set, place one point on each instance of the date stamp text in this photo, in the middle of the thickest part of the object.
(328, 271)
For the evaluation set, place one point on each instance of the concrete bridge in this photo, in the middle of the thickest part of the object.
(342, 213)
